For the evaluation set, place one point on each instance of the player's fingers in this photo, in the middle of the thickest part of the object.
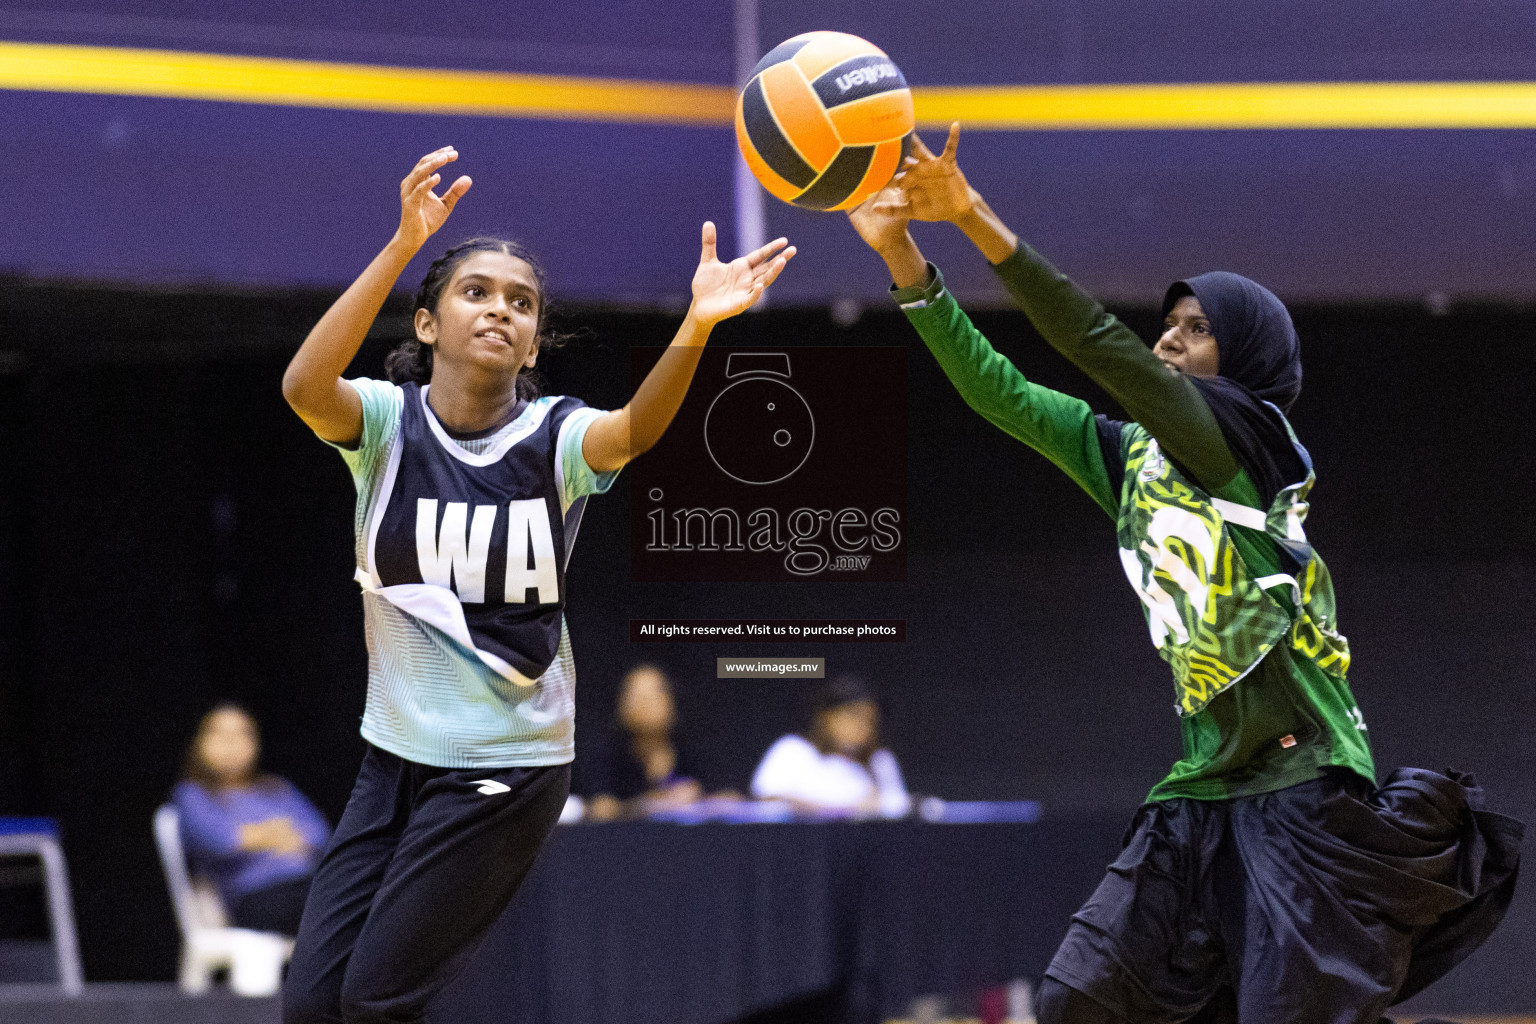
(768, 271)
(420, 189)
(920, 148)
(708, 251)
(439, 151)
(952, 143)
(427, 177)
(456, 192)
(777, 267)
(760, 256)
(426, 165)
(416, 173)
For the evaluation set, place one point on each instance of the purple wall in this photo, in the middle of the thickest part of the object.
(173, 191)
(149, 190)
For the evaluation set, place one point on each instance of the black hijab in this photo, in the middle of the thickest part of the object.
(1259, 362)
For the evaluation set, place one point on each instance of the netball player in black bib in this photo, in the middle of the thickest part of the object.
(470, 490)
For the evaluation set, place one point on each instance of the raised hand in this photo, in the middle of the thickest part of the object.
(722, 290)
(934, 186)
(881, 220)
(423, 211)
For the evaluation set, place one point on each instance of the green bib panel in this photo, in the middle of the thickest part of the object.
(1210, 618)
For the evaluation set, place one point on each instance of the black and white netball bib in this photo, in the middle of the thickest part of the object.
(476, 545)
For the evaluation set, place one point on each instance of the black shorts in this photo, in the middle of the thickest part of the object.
(423, 862)
(1327, 901)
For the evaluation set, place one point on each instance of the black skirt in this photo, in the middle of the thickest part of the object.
(1325, 901)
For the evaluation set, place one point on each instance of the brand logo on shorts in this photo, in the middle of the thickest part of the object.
(490, 787)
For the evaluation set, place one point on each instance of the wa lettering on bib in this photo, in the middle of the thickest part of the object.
(1210, 618)
(476, 545)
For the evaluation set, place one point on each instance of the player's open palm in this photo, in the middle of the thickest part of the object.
(722, 290)
(423, 211)
(934, 186)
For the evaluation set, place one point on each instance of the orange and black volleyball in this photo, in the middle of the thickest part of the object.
(824, 120)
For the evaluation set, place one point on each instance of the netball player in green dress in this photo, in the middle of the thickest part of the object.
(1267, 878)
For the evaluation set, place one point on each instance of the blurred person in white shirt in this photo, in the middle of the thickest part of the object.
(840, 765)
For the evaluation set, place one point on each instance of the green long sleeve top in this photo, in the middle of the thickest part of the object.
(1287, 720)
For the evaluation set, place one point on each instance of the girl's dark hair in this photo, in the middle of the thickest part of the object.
(195, 769)
(412, 361)
(837, 692)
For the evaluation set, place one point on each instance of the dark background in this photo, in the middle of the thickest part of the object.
(171, 535)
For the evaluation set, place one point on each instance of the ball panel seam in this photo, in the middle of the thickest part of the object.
(776, 186)
(838, 181)
(882, 167)
(800, 116)
(768, 137)
(784, 51)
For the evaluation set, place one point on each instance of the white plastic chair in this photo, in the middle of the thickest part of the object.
(255, 959)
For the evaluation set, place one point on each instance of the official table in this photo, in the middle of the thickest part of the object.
(705, 924)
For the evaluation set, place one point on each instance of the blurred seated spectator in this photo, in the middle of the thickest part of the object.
(642, 767)
(840, 766)
(255, 836)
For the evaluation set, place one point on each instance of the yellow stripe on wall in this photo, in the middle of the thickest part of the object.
(338, 86)
(211, 76)
(1258, 105)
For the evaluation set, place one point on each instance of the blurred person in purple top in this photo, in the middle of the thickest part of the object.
(255, 836)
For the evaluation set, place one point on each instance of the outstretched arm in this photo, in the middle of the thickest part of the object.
(1060, 427)
(312, 383)
(1165, 402)
(720, 291)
